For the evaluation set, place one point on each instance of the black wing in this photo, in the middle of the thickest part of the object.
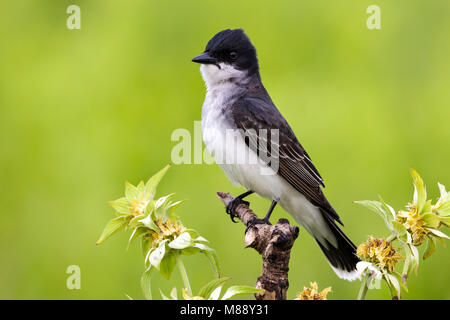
(251, 114)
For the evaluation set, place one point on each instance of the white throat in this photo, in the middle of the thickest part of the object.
(214, 75)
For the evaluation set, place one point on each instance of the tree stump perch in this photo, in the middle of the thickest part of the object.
(273, 243)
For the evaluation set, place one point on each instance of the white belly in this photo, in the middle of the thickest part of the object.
(242, 167)
(248, 174)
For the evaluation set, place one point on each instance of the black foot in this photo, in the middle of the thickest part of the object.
(231, 207)
(265, 220)
(267, 217)
(255, 222)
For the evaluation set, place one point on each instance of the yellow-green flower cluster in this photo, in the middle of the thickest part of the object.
(422, 219)
(168, 230)
(411, 227)
(163, 237)
(414, 224)
(380, 253)
(313, 293)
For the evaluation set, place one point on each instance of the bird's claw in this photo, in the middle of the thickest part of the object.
(231, 207)
(255, 222)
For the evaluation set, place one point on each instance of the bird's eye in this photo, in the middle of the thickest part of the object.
(233, 55)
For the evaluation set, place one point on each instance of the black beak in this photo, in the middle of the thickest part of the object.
(205, 58)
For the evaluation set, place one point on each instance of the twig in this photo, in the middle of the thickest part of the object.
(273, 243)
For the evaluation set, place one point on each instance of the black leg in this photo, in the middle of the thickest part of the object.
(266, 218)
(231, 207)
(272, 206)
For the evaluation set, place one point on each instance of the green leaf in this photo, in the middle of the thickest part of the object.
(190, 251)
(182, 241)
(146, 245)
(443, 192)
(131, 192)
(444, 209)
(432, 220)
(427, 206)
(112, 227)
(194, 234)
(201, 240)
(438, 233)
(431, 247)
(135, 221)
(400, 279)
(173, 293)
(215, 295)
(141, 186)
(214, 261)
(414, 258)
(378, 208)
(135, 234)
(441, 240)
(146, 283)
(236, 290)
(362, 266)
(152, 183)
(445, 221)
(149, 208)
(168, 264)
(149, 223)
(128, 297)
(408, 238)
(147, 256)
(173, 206)
(208, 288)
(420, 193)
(411, 258)
(122, 205)
(399, 229)
(388, 209)
(184, 276)
(408, 258)
(202, 246)
(164, 201)
(163, 296)
(394, 284)
(157, 255)
(161, 207)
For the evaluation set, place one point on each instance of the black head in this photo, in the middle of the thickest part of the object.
(232, 47)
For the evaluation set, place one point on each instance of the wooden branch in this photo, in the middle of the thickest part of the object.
(273, 243)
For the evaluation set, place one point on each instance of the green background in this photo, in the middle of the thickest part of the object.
(83, 111)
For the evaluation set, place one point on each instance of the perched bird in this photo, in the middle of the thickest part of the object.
(237, 101)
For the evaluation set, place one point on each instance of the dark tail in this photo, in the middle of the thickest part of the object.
(343, 259)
